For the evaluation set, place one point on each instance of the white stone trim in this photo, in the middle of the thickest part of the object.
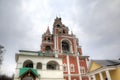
(68, 64)
(82, 70)
(67, 36)
(70, 44)
(72, 67)
(34, 65)
(87, 63)
(65, 66)
(55, 43)
(75, 46)
(101, 70)
(78, 64)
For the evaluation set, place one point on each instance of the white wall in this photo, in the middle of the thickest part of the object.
(44, 73)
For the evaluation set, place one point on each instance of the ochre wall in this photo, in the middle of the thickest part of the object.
(97, 77)
(104, 75)
(115, 74)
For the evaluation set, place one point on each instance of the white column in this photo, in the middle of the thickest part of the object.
(108, 75)
(44, 66)
(87, 62)
(75, 45)
(71, 49)
(101, 76)
(68, 64)
(89, 77)
(78, 64)
(34, 65)
(55, 43)
(94, 78)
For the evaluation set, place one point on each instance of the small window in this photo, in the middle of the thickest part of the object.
(82, 70)
(39, 66)
(48, 39)
(64, 67)
(72, 68)
(44, 39)
(63, 31)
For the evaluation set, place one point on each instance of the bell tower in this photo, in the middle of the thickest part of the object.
(65, 46)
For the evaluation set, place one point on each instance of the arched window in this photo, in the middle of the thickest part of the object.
(48, 49)
(52, 65)
(39, 65)
(65, 46)
(48, 39)
(28, 64)
(64, 32)
(58, 26)
(64, 67)
(72, 68)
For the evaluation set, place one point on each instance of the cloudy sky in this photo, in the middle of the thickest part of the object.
(95, 22)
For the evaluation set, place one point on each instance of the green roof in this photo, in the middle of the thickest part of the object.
(24, 70)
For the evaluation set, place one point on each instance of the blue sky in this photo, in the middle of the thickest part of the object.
(96, 24)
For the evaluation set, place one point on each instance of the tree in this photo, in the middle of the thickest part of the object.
(1, 54)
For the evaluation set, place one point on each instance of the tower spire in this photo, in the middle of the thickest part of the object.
(48, 30)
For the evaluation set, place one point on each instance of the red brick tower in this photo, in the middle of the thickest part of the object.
(65, 46)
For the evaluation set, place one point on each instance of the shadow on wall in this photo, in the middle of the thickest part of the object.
(4, 77)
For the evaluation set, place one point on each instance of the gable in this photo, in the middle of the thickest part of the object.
(94, 66)
(24, 70)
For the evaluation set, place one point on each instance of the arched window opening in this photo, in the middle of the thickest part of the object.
(39, 66)
(52, 65)
(65, 47)
(48, 49)
(63, 31)
(48, 39)
(45, 39)
(58, 26)
(64, 67)
(28, 64)
(72, 68)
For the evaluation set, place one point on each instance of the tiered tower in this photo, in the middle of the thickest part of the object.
(66, 46)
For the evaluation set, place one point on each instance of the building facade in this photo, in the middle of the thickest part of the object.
(104, 70)
(60, 57)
